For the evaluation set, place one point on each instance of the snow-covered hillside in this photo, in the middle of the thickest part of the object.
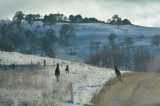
(85, 32)
(100, 32)
(39, 87)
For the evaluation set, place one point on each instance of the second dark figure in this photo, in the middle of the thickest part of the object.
(67, 69)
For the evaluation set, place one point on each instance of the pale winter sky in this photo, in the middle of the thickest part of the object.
(140, 12)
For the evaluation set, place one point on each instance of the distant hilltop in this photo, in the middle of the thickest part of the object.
(61, 18)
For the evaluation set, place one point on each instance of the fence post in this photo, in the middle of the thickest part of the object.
(31, 64)
(71, 92)
(44, 62)
(14, 65)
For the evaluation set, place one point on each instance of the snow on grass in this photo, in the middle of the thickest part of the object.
(39, 87)
(95, 31)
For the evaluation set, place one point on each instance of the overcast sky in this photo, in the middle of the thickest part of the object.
(140, 12)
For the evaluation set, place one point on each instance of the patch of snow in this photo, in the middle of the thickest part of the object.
(87, 80)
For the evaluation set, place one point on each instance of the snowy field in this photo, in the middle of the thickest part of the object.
(38, 87)
(99, 32)
(85, 32)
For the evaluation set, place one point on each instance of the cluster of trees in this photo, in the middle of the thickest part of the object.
(47, 19)
(127, 56)
(26, 41)
(61, 18)
(66, 33)
(80, 19)
(53, 18)
(14, 37)
(11, 39)
(116, 20)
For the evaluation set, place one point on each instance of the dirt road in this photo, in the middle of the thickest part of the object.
(138, 89)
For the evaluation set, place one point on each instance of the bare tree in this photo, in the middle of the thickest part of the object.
(18, 17)
(156, 40)
(128, 41)
(141, 58)
(66, 32)
(112, 38)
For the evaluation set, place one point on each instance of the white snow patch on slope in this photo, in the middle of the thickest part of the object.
(87, 80)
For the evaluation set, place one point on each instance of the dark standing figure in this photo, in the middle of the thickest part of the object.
(67, 69)
(57, 72)
(118, 74)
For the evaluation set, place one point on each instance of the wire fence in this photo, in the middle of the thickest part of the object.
(32, 65)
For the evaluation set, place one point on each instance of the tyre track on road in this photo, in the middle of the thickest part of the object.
(139, 89)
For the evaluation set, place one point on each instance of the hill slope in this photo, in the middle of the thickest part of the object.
(39, 86)
(85, 32)
(99, 32)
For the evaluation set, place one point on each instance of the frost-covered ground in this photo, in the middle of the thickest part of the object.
(39, 87)
(85, 32)
(99, 32)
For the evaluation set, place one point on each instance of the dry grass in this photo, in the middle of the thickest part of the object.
(32, 88)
